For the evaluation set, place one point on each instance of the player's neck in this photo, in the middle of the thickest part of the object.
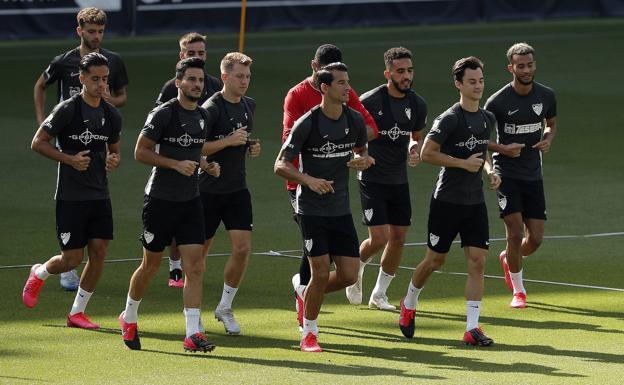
(331, 109)
(520, 88)
(85, 50)
(392, 91)
(470, 105)
(90, 100)
(310, 80)
(230, 96)
(186, 103)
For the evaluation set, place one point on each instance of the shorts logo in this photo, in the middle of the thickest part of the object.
(408, 113)
(502, 202)
(149, 237)
(65, 237)
(434, 239)
(368, 214)
(308, 244)
(537, 108)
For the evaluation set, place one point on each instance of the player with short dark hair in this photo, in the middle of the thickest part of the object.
(172, 142)
(326, 137)
(87, 132)
(526, 112)
(63, 69)
(400, 114)
(226, 199)
(300, 99)
(458, 142)
(191, 44)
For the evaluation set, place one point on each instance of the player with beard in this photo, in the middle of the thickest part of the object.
(172, 142)
(458, 142)
(400, 115)
(526, 113)
(191, 44)
(64, 70)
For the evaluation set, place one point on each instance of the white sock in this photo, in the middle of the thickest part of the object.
(132, 308)
(80, 302)
(473, 308)
(411, 298)
(192, 317)
(309, 326)
(362, 266)
(41, 272)
(383, 281)
(175, 264)
(516, 281)
(227, 296)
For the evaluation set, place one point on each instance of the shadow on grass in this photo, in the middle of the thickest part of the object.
(29, 380)
(576, 310)
(521, 323)
(458, 345)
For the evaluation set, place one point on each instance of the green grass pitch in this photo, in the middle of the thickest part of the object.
(567, 335)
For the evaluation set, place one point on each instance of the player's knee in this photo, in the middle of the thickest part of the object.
(397, 239)
(241, 251)
(350, 278)
(320, 276)
(514, 238)
(535, 241)
(195, 271)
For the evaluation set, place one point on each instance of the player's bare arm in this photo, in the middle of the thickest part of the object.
(431, 154)
(113, 157)
(144, 152)
(41, 143)
(39, 98)
(284, 168)
(238, 138)
(415, 147)
(549, 135)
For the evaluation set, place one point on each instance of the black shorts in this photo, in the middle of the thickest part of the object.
(335, 236)
(233, 209)
(446, 220)
(164, 220)
(384, 204)
(521, 196)
(79, 221)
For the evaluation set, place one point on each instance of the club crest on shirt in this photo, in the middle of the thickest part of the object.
(308, 244)
(103, 121)
(347, 131)
(502, 202)
(201, 123)
(368, 214)
(65, 237)
(434, 239)
(537, 108)
(380, 113)
(149, 237)
(408, 113)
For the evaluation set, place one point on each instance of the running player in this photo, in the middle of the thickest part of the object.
(87, 131)
(400, 114)
(326, 137)
(526, 113)
(458, 143)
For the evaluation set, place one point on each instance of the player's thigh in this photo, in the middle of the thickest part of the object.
(374, 203)
(443, 225)
(474, 230)
(343, 238)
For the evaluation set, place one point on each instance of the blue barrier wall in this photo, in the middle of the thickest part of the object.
(56, 18)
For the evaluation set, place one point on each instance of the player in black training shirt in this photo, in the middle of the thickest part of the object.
(226, 199)
(400, 114)
(191, 44)
(87, 131)
(326, 137)
(64, 71)
(458, 142)
(171, 141)
(526, 113)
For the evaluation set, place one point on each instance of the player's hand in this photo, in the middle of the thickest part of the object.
(513, 150)
(212, 168)
(112, 161)
(495, 180)
(320, 186)
(80, 161)
(185, 167)
(543, 145)
(361, 163)
(414, 157)
(254, 147)
(238, 137)
(107, 95)
(474, 163)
